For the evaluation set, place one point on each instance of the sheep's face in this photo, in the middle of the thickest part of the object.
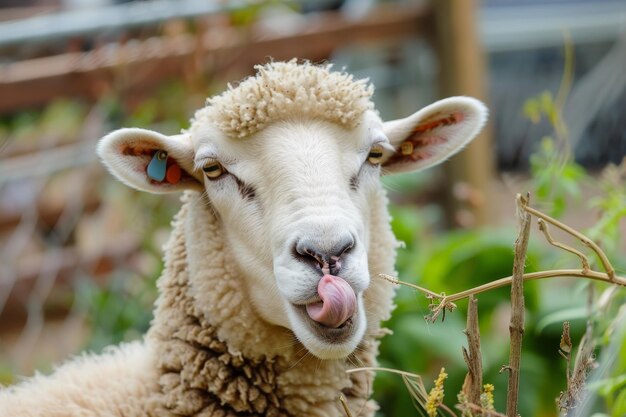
(294, 201)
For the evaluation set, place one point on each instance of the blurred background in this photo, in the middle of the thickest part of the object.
(80, 253)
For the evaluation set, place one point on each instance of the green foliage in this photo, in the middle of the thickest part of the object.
(537, 107)
(555, 181)
(557, 177)
(61, 120)
(453, 262)
(611, 205)
(119, 312)
(460, 260)
(244, 16)
(6, 374)
(555, 174)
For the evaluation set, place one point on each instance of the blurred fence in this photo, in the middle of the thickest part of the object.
(58, 242)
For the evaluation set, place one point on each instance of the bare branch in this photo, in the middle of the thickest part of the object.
(502, 282)
(446, 302)
(584, 361)
(408, 284)
(543, 226)
(610, 271)
(436, 308)
(583, 364)
(565, 350)
(472, 387)
(516, 326)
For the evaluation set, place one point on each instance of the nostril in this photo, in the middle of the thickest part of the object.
(325, 260)
(347, 247)
(306, 252)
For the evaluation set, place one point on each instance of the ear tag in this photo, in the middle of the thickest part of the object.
(173, 174)
(158, 166)
(406, 148)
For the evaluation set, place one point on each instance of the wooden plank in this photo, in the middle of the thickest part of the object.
(462, 72)
(140, 65)
(61, 266)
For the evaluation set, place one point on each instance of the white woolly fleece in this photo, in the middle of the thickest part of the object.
(115, 383)
(281, 90)
(207, 353)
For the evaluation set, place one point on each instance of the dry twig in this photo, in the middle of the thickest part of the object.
(606, 264)
(516, 326)
(446, 302)
(440, 302)
(543, 226)
(414, 384)
(565, 350)
(584, 363)
(344, 403)
(472, 387)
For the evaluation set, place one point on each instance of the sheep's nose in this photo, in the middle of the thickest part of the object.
(328, 257)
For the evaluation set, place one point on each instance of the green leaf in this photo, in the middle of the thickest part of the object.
(619, 406)
(531, 110)
(558, 317)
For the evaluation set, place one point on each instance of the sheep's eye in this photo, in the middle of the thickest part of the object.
(375, 155)
(213, 170)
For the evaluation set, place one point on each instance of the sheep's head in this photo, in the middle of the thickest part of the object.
(290, 161)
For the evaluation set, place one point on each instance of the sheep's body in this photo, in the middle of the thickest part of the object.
(270, 290)
(185, 367)
(88, 386)
(262, 370)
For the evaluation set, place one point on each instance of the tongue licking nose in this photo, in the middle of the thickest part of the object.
(338, 302)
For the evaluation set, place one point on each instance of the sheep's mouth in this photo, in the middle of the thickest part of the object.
(330, 335)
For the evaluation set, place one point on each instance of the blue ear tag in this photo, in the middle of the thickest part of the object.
(158, 166)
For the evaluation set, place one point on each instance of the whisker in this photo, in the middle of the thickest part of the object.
(293, 342)
(354, 361)
(317, 365)
(307, 353)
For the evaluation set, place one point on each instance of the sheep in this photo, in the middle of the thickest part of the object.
(269, 290)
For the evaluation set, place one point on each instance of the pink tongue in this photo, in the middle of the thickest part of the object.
(338, 302)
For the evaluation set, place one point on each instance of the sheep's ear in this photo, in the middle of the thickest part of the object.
(433, 134)
(127, 153)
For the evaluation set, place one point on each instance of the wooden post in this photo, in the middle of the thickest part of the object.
(462, 72)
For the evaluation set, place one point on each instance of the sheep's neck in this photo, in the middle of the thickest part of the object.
(209, 340)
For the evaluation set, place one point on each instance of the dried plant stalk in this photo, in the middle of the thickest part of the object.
(440, 302)
(516, 326)
(543, 226)
(584, 363)
(610, 271)
(447, 301)
(472, 387)
(344, 404)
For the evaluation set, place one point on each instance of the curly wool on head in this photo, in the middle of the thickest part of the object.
(281, 90)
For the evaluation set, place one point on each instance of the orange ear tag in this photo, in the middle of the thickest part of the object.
(173, 174)
(406, 148)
